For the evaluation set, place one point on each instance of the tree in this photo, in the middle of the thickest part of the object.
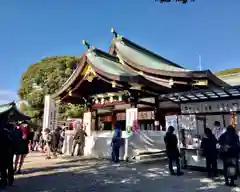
(228, 72)
(70, 110)
(46, 77)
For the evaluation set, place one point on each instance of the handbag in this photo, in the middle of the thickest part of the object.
(231, 167)
(223, 148)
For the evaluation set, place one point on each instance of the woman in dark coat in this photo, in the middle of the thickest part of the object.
(172, 150)
(116, 143)
(22, 133)
(209, 147)
(6, 159)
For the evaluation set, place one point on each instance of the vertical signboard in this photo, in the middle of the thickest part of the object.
(50, 115)
(172, 120)
(87, 121)
(54, 119)
(131, 118)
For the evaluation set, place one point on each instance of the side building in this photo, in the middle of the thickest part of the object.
(231, 79)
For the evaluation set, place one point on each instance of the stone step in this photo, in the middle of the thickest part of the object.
(151, 156)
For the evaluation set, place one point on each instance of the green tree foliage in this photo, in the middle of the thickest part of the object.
(228, 72)
(46, 77)
(70, 110)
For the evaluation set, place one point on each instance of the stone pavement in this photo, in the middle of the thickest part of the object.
(73, 175)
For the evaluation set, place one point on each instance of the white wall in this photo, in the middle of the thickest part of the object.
(146, 141)
(99, 144)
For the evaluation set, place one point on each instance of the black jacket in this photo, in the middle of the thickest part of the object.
(230, 145)
(208, 145)
(6, 147)
(171, 143)
(55, 139)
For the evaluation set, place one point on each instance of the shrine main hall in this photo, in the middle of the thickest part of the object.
(129, 75)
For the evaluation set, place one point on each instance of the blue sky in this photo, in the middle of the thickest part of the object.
(31, 30)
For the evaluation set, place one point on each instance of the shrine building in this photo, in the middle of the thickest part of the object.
(130, 76)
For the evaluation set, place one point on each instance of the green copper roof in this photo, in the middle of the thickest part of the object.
(5, 108)
(143, 59)
(106, 65)
(14, 114)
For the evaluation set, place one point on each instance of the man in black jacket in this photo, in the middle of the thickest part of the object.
(6, 159)
(230, 148)
(209, 147)
(173, 154)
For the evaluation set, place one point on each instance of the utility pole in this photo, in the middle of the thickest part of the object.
(200, 62)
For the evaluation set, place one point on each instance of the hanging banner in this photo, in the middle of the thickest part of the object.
(188, 122)
(172, 120)
(87, 121)
(131, 118)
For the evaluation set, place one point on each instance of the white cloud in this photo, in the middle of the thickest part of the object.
(7, 96)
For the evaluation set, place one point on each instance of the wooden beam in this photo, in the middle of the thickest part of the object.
(147, 103)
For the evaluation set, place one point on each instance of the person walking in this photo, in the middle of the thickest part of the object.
(230, 148)
(30, 139)
(55, 141)
(62, 138)
(23, 149)
(48, 140)
(209, 147)
(36, 139)
(172, 150)
(79, 140)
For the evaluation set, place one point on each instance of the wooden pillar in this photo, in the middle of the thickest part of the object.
(88, 104)
(205, 121)
(233, 119)
(224, 121)
(157, 115)
(97, 128)
(114, 119)
(133, 99)
(88, 121)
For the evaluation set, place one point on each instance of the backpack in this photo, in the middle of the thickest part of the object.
(49, 138)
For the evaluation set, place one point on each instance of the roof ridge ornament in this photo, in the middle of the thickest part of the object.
(114, 32)
(84, 42)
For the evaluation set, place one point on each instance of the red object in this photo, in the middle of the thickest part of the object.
(25, 131)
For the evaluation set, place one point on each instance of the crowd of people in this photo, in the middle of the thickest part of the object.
(17, 140)
(14, 140)
(218, 143)
(49, 141)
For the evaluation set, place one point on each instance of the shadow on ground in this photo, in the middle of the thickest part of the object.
(106, 177)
